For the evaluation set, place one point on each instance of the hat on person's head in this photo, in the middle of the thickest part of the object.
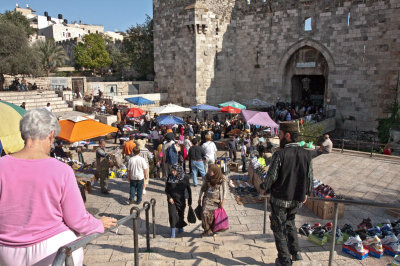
(169, 130)
(141, 143)
(288, 127)
(169, 136)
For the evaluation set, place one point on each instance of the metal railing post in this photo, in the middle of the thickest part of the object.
(146, 207)
(372, 147)
(333, 242)
(153, 214)
(265, 215)
(342, 145)
(69, 260)
(135, 235)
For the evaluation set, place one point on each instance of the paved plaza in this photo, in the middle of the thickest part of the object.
(244, 244)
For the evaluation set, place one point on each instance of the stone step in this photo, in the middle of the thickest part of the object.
(25, 93)
(48, 97)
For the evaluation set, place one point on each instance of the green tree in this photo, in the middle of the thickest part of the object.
(16, 56)
(120, 60)
(18, 20)
(92, 53)
(51, 55)
(139, 46)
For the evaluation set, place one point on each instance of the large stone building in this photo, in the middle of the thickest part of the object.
(345, 53)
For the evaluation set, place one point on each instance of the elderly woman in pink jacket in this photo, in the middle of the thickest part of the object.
(41, 208)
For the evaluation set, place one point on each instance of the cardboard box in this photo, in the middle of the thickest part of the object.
(373, 252)
(234, 167)
(326, 210)
(309, 204)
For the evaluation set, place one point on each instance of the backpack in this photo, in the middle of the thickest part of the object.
(171, 155)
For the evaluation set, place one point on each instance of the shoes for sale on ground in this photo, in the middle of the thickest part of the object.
(316, 183)
(391, 241)
(376, 230)
(365, 224)
(305, 229)
(328, 226)
(319, 232)
(231, 183)
(356, 243)
(362, 233)
(374, 242)
(348, 229)
(386, 229)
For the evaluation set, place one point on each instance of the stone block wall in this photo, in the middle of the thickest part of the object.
(213, 51)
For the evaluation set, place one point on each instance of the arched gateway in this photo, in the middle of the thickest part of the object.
(306, 66)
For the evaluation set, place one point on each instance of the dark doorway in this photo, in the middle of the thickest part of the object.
(308, 89)
(78, 86)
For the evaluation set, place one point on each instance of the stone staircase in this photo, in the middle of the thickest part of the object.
(36, 99)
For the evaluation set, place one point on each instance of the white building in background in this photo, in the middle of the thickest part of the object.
(57, 28)
(114, 36)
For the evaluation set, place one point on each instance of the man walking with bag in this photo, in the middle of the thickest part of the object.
(289, 180)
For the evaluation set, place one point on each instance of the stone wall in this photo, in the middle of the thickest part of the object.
(90, 84)
(213, 51)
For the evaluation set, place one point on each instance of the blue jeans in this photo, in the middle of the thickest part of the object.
(244, 163)
(136, 185)
(197, 166)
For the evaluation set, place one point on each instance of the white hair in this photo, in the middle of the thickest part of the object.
(38, 124)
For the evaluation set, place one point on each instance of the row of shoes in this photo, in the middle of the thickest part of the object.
(384, 234)
(324, 191)
(317, 229)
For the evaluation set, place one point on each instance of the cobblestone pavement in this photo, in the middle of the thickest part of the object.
(244, 243)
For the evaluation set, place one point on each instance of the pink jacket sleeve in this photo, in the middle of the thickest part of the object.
(74, 211)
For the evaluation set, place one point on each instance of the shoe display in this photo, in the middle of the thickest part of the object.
(356, 243)
(319, 232)
(391, 241)
(348, 229)
(365, 224)
(386, 229)
(376, 230)
(328, 226)
(374, 242)
(306, 230)
(325, 191)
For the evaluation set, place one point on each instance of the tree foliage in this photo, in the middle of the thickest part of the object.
(16, 56)
(18, 20)
(92, 53)
(310, 132)
(51, 55)
(139, 47)
(120, 60)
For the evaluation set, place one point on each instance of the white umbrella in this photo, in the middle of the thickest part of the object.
(170, 108)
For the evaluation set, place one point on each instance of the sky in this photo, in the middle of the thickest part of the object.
(114, 15)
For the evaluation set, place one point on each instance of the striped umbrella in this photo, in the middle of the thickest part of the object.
(10, 136)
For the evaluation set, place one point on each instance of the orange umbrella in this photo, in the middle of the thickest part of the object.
(83, 128)
(230, 109)
(135, 112)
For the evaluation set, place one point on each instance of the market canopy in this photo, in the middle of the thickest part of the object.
(10, 136)
(139, 101)
(83, 128)
(135, 112)
(205, 107)
(258, 118)
(169, 120)
(232, 104)
(170, 108)
(257, 103)
(230, 109)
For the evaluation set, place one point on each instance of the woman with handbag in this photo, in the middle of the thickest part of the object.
(214, 190)
(176, 186)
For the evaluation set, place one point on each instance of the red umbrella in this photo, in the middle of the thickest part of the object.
(135, 112)
(230, 109)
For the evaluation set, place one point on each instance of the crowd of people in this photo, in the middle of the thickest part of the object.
(178, 154)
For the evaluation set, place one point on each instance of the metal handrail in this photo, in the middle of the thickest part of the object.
(64, 253)
(336, 214)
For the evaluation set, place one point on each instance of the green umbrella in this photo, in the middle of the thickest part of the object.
(232, 104)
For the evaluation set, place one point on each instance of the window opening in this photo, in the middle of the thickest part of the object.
(307, 24)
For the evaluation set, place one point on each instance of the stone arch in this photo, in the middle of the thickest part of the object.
(290, 74)
(307, 42)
